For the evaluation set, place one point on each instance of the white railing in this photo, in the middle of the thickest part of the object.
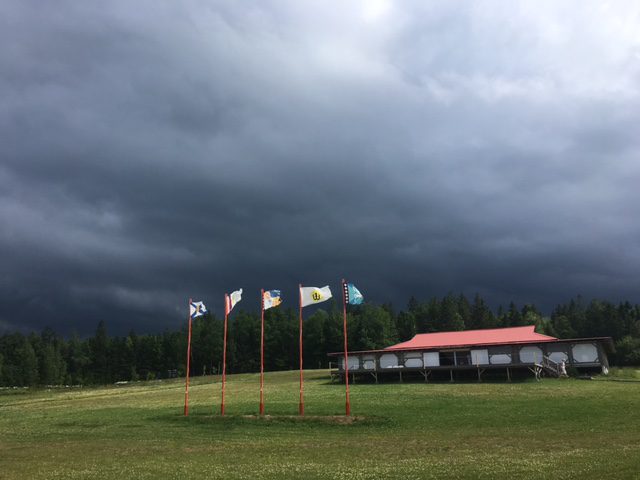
(550, 366)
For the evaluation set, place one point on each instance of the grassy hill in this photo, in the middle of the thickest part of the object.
(551, 429)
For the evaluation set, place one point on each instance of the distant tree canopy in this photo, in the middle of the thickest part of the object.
(49, 359)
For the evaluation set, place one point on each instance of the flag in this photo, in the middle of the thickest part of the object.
(352, 295)
(312, 295)
(231, 300)
(197, 309)
(271, 298)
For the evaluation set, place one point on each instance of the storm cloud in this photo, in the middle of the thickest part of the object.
(155, 151)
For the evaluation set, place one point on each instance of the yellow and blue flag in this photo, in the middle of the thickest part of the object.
(271, 298)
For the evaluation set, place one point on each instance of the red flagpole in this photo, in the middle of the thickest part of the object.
(262, 352)
(346, 353)
(186, 390)
(224, 351)
(301, 405)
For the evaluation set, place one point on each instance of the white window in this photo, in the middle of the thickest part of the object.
(558, 357)
(354, 363)
(530, 355)
(479, 357)
(369, 362)
(413, 363)
(388, 360)
(431, 359)
(585, 353)
(500, 359)
(413, 360)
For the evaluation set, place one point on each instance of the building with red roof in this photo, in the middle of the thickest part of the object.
(469, 338)
(507, 349)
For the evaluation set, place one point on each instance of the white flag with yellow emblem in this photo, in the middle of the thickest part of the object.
(311, 295)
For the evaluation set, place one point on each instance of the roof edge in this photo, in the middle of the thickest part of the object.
(608, 341)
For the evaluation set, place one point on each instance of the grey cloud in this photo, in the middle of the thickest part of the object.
(155, 151)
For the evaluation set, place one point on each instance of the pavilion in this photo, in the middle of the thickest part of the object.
(478, 351)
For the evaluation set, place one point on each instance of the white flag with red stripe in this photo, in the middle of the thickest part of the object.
(231, 300)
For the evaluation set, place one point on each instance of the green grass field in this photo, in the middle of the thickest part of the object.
(548, 429)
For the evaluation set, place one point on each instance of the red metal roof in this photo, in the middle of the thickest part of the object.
(466, 338)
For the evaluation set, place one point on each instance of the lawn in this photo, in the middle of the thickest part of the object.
(548, 429)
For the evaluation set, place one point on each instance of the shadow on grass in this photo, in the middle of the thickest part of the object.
(269, 421)
(420, 381)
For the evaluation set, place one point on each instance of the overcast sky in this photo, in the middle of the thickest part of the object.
(153, 151)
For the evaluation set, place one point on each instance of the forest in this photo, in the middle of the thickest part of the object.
(47, 358)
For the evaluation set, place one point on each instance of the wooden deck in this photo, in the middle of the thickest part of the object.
(546, 367)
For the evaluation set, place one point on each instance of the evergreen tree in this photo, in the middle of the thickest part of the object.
(172, 352)
(281, 339)
(48, 359)
(99, 344)
(481, 315)
(464, 309)
(27, 363)
(431, 317)
(405, 326)
(79, 361)
(562, 326)
(451, 317)
(514, 317)
(245, 341)
(531, 316)
(628, 351)
(315, 355)
(371, 327)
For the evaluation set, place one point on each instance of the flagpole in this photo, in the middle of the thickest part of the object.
(301, 404)
(224, 351)
(186, 390)
(346, 353)
(262, 352)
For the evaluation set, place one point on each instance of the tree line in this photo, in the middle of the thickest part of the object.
(48, 358)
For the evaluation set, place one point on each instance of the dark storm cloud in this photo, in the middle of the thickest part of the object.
(153, 151)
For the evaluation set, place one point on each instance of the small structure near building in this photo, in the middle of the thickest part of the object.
(477, 351)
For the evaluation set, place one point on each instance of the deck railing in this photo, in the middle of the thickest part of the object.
(550, 366)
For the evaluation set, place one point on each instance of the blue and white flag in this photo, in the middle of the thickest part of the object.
(197, 309)
(352, 295)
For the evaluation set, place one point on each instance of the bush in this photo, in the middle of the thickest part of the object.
(628, 351)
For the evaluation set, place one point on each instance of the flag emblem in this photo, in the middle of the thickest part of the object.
(197, 309)
(231, 300)
(312, 295)
(352, 295)
(271, 298)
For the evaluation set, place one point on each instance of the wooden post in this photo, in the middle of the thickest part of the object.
(261, 351)
(347, 408)
(301, 403)
(227, 303)
(186, 388)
